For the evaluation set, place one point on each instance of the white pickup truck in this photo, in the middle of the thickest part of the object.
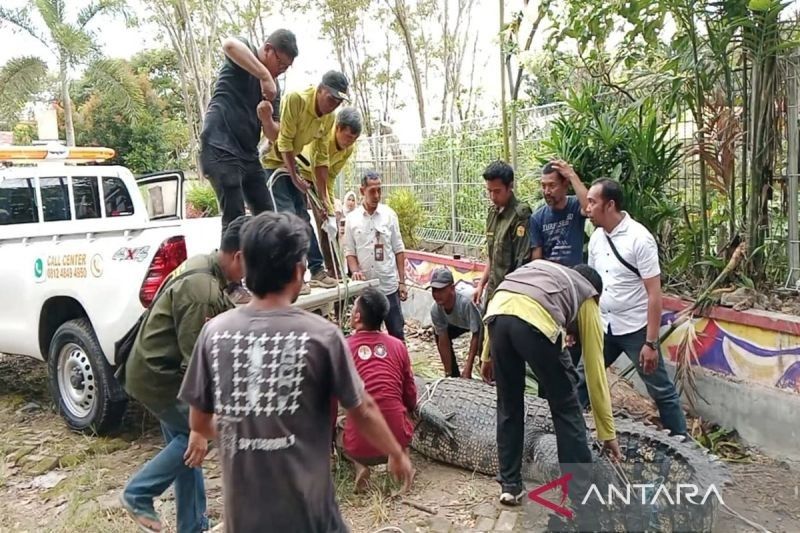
(83, 250)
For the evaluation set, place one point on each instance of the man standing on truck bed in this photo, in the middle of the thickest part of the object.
(193, 294)
(306, 118)
(246, 97)
(322, 176)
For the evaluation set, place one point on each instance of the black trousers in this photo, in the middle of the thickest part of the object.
(514, 343)
(235, 182)
(453, 332)
(395, 322)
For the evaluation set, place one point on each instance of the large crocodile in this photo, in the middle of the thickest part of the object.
(458, 426)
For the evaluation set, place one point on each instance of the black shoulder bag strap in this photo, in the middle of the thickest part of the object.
(619, 257)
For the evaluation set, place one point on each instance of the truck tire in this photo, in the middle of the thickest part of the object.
(82, 382)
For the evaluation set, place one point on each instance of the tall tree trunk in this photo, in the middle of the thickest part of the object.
(401, 17)
(68, 123)
(446, 59)
(699, 106)
(503, 117)
(745, 136)
(763, 156)
(763, 131)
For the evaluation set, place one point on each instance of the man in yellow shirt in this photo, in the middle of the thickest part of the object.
(306, 119)
(322, 176)
(526, 321)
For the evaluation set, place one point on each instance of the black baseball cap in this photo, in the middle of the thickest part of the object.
(337, 84)
(441, 278)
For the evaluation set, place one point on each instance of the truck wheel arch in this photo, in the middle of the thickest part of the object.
(56, 311)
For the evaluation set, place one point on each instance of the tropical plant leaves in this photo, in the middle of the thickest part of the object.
(21, 79)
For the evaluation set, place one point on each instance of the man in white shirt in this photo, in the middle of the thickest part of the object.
(375, 250)
(625, 254)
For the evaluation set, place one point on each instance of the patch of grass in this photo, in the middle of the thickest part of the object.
(379, 505)
(93, 520)
(426, 367)
(344, 481)
(376, 500)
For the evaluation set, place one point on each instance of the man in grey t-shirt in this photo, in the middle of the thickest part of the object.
(453, 314)
(268, 372)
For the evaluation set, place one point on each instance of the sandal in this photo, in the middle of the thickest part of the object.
(138, 518)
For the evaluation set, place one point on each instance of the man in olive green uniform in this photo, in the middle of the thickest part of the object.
(153, 374)
(507, 239)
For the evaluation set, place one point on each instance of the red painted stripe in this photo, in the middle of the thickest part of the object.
(780, 322)
(460, 264)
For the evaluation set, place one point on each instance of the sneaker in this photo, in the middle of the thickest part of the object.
(512, 495)
(239, 294)
(306, 289)
(322, 279)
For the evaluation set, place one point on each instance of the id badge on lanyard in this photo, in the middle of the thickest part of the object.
(378, 247)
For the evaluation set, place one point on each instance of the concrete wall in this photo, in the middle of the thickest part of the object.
(748, 365)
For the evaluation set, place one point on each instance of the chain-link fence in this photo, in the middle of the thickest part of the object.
(444, 171)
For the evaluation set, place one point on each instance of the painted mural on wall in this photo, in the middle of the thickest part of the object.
(419, 269)
(738, 350)
(746, 352)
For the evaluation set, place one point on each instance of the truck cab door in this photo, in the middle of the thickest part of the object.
(162, 193)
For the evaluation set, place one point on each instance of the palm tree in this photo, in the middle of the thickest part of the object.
(70, 42)
(20, 79)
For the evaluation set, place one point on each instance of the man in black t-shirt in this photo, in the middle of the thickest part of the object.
(246, 101)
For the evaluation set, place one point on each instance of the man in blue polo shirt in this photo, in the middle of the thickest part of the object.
(557, 228)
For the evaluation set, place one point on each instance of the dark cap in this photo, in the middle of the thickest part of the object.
(337, 84)
(441, 278)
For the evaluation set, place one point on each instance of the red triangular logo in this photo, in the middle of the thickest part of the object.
(562, 482)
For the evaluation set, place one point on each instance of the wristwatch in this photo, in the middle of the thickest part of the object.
(650, 344)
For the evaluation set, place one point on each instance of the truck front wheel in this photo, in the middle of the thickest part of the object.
(82, 382)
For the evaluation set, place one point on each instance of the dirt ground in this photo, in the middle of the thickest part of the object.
(52, 479)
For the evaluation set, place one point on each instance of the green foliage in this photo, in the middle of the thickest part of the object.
(118, 108)
(410, 214)
(160, 66)
(71, 42)
(21, 79)
(201, 198)
(24, 134)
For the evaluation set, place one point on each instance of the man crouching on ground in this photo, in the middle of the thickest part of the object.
(261, 381)
(153, 373)
(383, 364)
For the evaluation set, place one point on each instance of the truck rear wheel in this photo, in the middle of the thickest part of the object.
(82, 382)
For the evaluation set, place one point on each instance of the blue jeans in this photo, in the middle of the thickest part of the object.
(659, 385)
(286, 198)
(166, 468)
(395, 322)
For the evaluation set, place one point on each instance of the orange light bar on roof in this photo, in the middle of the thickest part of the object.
(35, 154)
